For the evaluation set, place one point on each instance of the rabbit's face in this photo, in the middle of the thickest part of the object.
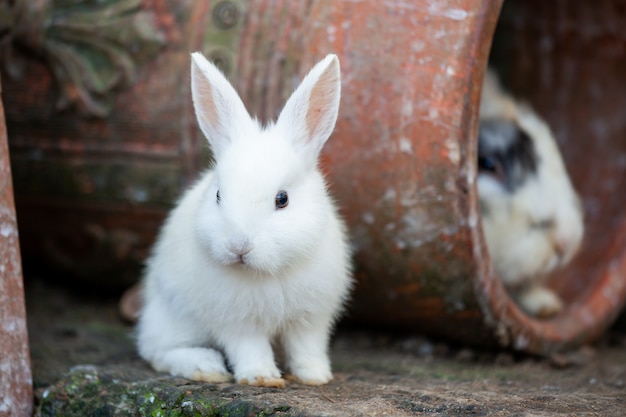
(532, 217)
(263, 211)
(266, 206)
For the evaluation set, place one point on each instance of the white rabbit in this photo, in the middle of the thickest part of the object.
(532, 217)
(255, 252)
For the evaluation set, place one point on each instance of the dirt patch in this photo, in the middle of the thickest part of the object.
(375, 374)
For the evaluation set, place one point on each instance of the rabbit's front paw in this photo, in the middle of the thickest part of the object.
(211, 377)
(261, 378)
(253, 359)
(313, 373)
(211, 370)
(261, 381)
(198, 364)
(540, 302)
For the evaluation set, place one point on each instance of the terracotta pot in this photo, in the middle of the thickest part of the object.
(401, 162)
(15, 378)
(569, 60)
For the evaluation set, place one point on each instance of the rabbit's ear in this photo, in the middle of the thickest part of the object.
(311, 112)
(219, 110)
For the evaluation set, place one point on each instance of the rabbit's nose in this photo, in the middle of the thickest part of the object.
(241, 250)
(565, 247)
(240, 247)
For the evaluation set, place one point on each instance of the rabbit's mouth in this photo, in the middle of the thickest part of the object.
(244, 263)
(239, 253)
(237, 260)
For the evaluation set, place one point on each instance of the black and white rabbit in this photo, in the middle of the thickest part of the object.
(532, 217)
(255, 252)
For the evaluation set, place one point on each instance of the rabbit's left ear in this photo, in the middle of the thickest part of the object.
(219, 110)
(311, 112)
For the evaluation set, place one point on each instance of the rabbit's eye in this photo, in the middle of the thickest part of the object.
(281, 200)
(492, 166)
(217, 197)
(487, 164)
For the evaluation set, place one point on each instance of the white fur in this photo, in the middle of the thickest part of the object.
(523, 256)
(204, 309)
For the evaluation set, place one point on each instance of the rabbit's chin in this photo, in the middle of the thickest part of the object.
(248, 267)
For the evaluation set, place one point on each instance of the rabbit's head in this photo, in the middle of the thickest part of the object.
(532, 216)
(266, 207)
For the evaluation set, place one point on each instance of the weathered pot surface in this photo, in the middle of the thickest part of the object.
(401, 162)
(15, 378)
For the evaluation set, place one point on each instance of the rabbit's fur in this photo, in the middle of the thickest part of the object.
(532, 217)
(234, 270)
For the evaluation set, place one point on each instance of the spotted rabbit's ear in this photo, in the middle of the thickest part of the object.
(310, 113)
(219, 110)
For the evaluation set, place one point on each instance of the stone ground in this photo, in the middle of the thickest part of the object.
(84, 364)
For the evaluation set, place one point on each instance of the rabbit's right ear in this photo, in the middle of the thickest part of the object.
(311, 112)
(219, 110)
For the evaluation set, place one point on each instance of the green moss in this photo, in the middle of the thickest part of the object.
(90, 391)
